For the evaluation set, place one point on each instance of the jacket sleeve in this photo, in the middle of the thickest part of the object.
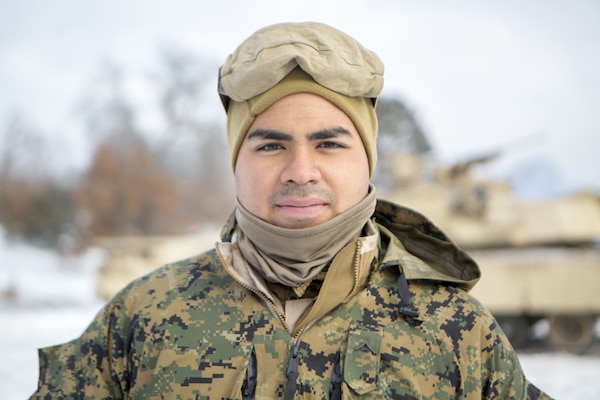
(482, 362)
(502, 376)
(92, 366)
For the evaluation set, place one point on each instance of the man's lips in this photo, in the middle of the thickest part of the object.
(301, 208)
(301, 203)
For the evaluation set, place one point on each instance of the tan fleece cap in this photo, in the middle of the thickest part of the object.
(313, 58)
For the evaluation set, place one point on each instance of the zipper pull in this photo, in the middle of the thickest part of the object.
(292, 372)
(249, 385)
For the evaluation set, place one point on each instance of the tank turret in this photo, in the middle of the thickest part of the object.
(540, 259)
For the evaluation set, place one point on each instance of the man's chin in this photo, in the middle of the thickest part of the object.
(300, 222)
(300, 217)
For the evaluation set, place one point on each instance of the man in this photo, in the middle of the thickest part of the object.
(317, 289)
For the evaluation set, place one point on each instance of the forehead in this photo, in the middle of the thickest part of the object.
(302, 111)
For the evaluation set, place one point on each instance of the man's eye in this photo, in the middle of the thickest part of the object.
(270, 147)
(331, 145)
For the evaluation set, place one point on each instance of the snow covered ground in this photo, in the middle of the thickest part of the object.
(47, 299)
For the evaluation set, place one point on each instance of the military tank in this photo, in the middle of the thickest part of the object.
(540, 259)
(130, 257)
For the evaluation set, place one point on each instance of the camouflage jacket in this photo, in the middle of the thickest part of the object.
(190, 330)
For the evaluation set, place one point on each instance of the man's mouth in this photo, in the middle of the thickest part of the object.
(301, 203)
(301, 207)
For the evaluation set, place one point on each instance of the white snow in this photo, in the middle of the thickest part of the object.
(53, 300)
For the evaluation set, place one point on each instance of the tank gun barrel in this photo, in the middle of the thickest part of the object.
(462, 167)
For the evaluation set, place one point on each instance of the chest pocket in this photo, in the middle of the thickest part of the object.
(362, 360)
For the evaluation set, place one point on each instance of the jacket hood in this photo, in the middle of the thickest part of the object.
(421, 248)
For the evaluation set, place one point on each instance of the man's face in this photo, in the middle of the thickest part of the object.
(301, 163)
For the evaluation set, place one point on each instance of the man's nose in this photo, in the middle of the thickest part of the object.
(301, 168)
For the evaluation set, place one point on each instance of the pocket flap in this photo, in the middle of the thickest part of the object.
(361, 366)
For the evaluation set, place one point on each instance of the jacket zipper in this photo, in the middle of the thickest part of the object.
(356, 269)
(292, 370)
(294, 358)
(256, 292)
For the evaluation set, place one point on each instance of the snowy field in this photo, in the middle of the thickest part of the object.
(48, 299)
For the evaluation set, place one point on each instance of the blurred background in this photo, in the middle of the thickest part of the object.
(113, 157)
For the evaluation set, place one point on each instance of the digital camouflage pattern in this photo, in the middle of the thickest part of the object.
(190, 331)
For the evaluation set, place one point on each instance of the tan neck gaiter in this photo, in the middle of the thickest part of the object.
(295, 256)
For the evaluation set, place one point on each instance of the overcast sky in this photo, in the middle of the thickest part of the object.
(521, 75)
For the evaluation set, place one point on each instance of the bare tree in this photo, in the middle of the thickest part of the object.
(399, 132)
(160, 179)
(124, 192)
(194, 143)
(34, 204)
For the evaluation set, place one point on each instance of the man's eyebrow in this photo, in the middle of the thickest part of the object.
(269, 134)
(329, 133)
